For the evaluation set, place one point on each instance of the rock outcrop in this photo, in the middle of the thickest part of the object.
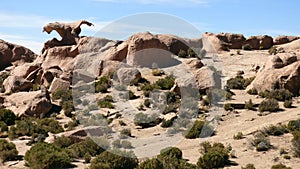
(16, 84)
(279, 40)
(260, 42)
(234, 41)
(11, 53)
(281, 70)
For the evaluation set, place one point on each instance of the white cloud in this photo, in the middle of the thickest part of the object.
(189, 3)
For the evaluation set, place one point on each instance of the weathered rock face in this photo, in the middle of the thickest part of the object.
(284, 39)
(207, 79)
(58, 83)
(212, 44)
(279, 71)
(16, 84)
(193, 63)
(260, 42)
(35, 103)
(10, 53)
(235, 41)
(293, 47)
(126, 75)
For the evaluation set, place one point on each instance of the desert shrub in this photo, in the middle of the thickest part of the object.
(261, 142)
(273, 50)
(106, 102)
(170, 108)
(157, 72)
(287, 157)
(126, 132)
(167, 123)
(238, 52)
(50, 125)
(78, 150)
(147, 103)
(68, 108)
(145, 120)
(172, 152)
(252, 91)
(132, 96)
(247, 47)
(280, 166)
(275, 130)
(147, 88)
(214, 156)
(182, 54)
(249, 105)
(47, 156)
(126, 144)
(122, 123)
(239, 82)
(167, 83)
(110, 160)
(7, 116)
(227, 107)
(199, 130)
(63, 142)
(270, 105)
(288, 103)
(296, 143)
(238, 136)
(102, 84)
(151, 164)
(66, 100)
(87, 158)
(294, 125)
(278, 94)
(191, 53)
(249, 166)
(3, 76)
(8, 151)
(71, 124)
(3, 127)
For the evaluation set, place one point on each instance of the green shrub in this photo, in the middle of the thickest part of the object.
(147, 103)
(145, 120)
(236, 83)
(294, 125)
(147, 88)
(50, 125)
(132, 96)
(296, 143)
(47, 156)
(102, 84)
(172, 152)
(3, 127)
(261, 142)
(87, 158)
(228, 107)
(8, 151)
(106, 102)
(287, 157)
(278, 94)
(7, 116)
(191, 53)
(126, 132)
(78, 150)
(280, 166)
(214, 156)
(167, 123)
(252, 91)
(249, 166)
(167, 83)
(3, 76)
(126, 144)
(110, 160)
(273, 50)
(288, 103)
(153, 163)
(249, 105)
(63, 142)
(66, 100)
(199, 130)
(247, 47)
(270, 105)
(275, 130)
(182, 54)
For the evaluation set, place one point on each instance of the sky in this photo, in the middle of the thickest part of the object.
(21, 22)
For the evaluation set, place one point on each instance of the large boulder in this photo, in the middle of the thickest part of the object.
(260, 42)
(279, 40)
(25, 70)
(36, 103)
(293, 47)
(235, 41)
(59, 84)
(207, 79)
(212, 44)
(16, 84)
(11, 53)
(126, 75)
(280, 71)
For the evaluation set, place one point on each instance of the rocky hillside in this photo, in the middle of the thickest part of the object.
(85, 99)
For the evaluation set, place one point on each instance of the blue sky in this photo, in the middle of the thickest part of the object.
(21, 21)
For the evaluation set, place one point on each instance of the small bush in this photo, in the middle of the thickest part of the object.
(132, 96)
(7, 116)
(106, 102)
(199, 130)
(294, 125)
(78, 150)
(50, 125)
(252, 91)
(167, 83)
(275, 130)
(278, 94)
(172, 152)
(239, 82)
(102, 84)
(270, 105)
(126, 132)
(8, 151)
(280, 166)
(288, 104)
(87, 158)
(296, 143)
(63, 142)
(273, 50)
(287, 157)
(110, 160)
(3, 127)
(247, 47)
(191, 53)
(147, 88)
(238, 52)
(147, 103)
(249, 166)
(126, 144)
(228, 107)
(249, 105)
(167, 123)
(214, 156)
(238, 136)
(46, 156)
(66, 100)
(261, 142)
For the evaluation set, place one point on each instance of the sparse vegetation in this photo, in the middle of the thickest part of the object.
(249, 166)
(182, 54)
(167, 83)
(261, 142)
(249, 105)
(157, 72)
(102, 84)
(106, 102)
(273, 50)
(66, 100)
(228, 107)
(270, 105)
(199, 130)
(247, 47)
(145, 120)
(280, 166)
(8, 151)
(278, 94)
(78, 150)
(252, 91)
(238, 136)
(288, 103)
(275, 130)
(294, 125)
(296, 143)
(239, 82)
